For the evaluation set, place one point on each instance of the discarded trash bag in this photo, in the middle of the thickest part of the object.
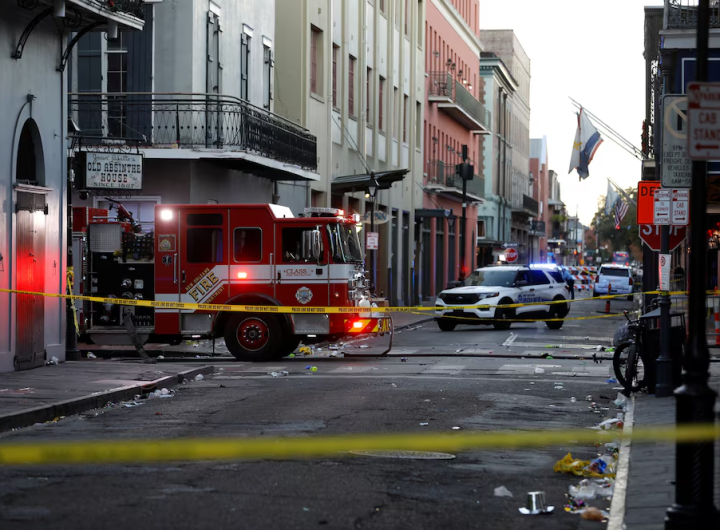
(581, 468)
(502, 491)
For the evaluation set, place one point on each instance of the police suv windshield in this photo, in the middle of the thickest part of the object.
(344, 243)
(491, 278)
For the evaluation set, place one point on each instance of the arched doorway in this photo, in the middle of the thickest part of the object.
(30, 212)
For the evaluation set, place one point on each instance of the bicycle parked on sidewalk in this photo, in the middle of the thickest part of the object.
(628, 360)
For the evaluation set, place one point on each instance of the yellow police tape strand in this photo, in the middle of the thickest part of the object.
(320, 310)
(275, 448)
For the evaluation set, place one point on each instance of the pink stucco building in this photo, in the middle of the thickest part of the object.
(454, 116)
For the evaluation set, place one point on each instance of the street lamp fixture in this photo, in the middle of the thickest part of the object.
(372, 190)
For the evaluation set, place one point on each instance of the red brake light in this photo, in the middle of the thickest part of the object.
(631, 280)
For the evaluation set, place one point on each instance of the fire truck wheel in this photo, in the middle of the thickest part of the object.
(253, 337)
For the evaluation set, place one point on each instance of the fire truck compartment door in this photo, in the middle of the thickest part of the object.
(311, 324)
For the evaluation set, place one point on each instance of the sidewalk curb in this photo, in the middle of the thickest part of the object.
(28, 417)
(617, 507)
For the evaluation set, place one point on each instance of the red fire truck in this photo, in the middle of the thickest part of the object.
(247, 254)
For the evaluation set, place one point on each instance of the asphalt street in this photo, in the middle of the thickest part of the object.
(428, 382)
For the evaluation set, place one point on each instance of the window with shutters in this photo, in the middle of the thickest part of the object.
(267, 75)
(316, 80)
(351, 86)
(381, 102)
(396, 112)
(405, 118)
(336, 50)
(117, 69)
(245, 66)
(407, 16)
(368, 97)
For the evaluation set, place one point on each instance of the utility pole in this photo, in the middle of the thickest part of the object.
(694, 461)
(465, 171)
(664, 365)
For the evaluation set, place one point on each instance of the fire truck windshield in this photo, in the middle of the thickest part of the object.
(344, 243)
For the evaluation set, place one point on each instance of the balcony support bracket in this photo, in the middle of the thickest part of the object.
(28, 30)
(66, 54)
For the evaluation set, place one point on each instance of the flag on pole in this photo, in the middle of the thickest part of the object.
(587, 140)
(610, 198)
(621, 210)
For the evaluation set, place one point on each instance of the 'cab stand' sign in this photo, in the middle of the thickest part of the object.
(704, 121)
(108, 171)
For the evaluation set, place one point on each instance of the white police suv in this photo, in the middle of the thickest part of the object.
(489, 287)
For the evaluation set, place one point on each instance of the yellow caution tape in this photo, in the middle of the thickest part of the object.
(304, 309)
(142, 451)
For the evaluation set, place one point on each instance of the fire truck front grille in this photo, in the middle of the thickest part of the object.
(105, 237)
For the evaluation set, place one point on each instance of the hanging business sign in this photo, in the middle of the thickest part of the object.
(108, 171)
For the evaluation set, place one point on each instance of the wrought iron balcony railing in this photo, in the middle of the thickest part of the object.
(683, 14)
(444, 174)
(442, 85)
(530, 205)
(192, 121)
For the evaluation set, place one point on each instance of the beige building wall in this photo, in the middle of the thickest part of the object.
(351, 141)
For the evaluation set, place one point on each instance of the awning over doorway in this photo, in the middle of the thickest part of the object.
(350, 183)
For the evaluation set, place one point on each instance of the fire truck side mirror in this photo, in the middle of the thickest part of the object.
(316, 245)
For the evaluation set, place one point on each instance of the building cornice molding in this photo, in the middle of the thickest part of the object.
(448, 11)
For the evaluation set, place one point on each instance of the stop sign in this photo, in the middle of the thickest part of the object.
(650, 234)
(511, 255)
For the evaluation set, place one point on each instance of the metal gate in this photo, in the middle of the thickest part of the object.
(30, 211)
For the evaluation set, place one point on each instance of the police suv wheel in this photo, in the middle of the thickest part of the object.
(446, 325)
(253, 337)
(501, 315)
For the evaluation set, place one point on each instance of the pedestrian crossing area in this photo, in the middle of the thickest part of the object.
(391, 367)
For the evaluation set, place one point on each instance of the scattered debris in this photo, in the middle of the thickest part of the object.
(52, 361)
(539, 371)
(424, 424)
(313, 369)
(199, 377)
(589, 489)
(364, 346)
(91, 355)
(185, 381)
(593, 514)
(161, 357)
(612, 423)
(163, 393)
(573, 400)
(535, 504)
(611, 380)
(279, 374)
(588, 397)
(502, 491)
(456, 428)
(393, 385)
(601, 467)
(292, 355)
(403, 359)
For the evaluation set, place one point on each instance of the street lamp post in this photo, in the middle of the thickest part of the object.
(695, 400)
(372, 193)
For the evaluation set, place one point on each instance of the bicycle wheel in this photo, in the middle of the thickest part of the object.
(628, 367)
